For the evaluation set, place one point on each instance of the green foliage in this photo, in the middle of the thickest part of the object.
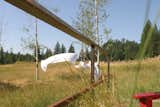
(57, 48)
(48, 53)
(71, 49)
(85, 21)
(63, 49)
(1, 56)
(128, 50)
(9, 58)
(153, 47)
(121, 49)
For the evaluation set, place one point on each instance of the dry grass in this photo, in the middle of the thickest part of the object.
(19, 89)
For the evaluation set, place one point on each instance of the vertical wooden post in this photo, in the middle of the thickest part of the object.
(108, 71)
(92, 73)
(97, 28)
(92, 63)
(37, 47)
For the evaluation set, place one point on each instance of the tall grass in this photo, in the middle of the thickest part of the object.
(18, 88)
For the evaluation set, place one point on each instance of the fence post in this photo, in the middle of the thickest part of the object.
(92, 63)
(108, 71)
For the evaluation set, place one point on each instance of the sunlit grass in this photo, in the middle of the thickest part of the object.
(19, 89)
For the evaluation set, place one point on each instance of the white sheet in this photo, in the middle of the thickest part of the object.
(70, 57)
(88, 65)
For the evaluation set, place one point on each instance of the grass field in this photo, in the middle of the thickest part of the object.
(19, 89)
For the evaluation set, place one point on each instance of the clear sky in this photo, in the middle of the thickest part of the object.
(126, 18)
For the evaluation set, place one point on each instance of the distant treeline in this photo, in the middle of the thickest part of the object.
(117, 49)
(10, 57)
(129, 50)
(121, 49)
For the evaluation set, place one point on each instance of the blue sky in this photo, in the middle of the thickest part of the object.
(126, 18)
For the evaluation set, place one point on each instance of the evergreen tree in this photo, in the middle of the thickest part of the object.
(63, 49)
(71, 49)
(57, 48)
(156, 42)
(121, 49)
(153, 46)
(48, 53)
(130, 49)
(12, 57)
(148, 52)
(1, 55)
(18, 56)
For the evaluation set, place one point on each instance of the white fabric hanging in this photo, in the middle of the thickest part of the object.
(70, 57)
(83, 65)
(96, 72)
(88, 65)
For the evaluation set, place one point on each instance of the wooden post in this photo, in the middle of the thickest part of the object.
(92, 73)
(97, 28)
(37, 47)
(92, 63)
(108, 71)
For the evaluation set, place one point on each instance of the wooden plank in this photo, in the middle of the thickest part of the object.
(92, 64)
(34, 8)
(65, 101)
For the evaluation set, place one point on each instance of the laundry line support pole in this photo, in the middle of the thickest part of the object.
(92, 63)
(108, 71)
(108, 74)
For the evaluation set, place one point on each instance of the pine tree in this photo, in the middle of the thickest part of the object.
(153, 46)
(1, 56)
(18, 56)
(12, 57)
(71, 49)
(57, 48)
(63, 49)
(156, 42)
(146, 29)
(48, 53)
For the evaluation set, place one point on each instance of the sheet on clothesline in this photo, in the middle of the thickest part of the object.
(88, 65)
(69, 57)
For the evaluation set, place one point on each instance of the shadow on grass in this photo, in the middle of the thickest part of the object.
(70, 77)
(8, 86)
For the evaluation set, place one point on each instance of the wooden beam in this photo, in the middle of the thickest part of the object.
(92, 64)
(67, 100)
(34, 8)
